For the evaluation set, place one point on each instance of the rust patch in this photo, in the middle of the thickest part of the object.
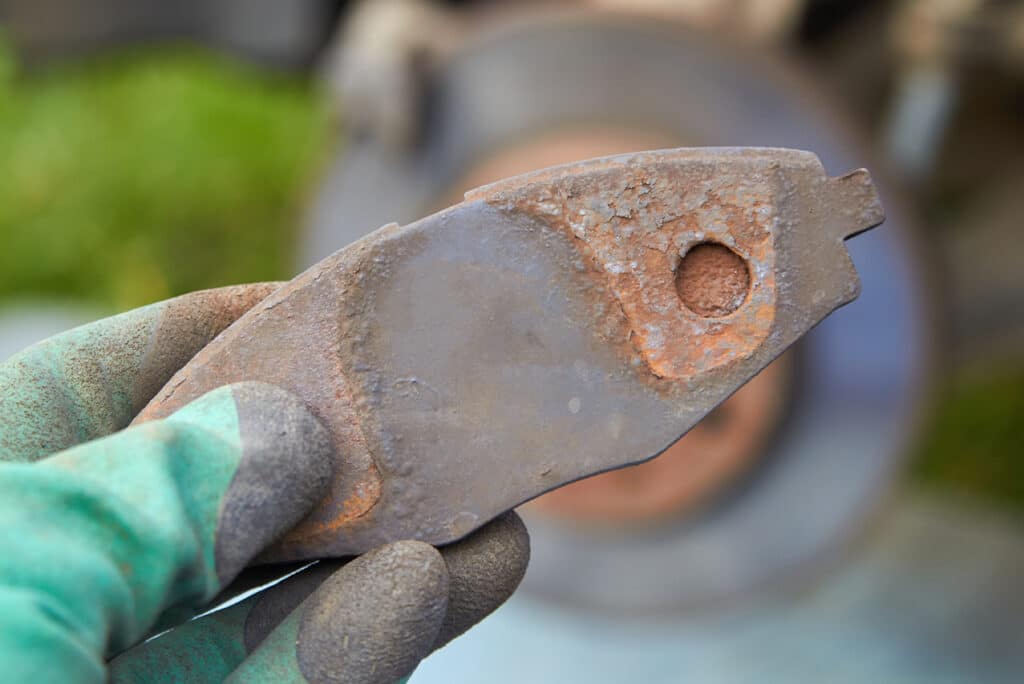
(633, 218)
(330, 516)
(712, 280)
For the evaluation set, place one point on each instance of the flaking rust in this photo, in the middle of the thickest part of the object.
(637, 221)
(549, 327)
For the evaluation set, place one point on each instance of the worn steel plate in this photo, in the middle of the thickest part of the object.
(550, 327)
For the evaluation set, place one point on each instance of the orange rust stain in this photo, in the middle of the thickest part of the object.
(333, 515)
(633, 223)
(712, 280)
(357, 486)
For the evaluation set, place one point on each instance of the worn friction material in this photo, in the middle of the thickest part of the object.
(540, 331)
(376, 618)
(286, 467)
(483, 571)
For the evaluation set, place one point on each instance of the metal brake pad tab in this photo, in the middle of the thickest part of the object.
(551, 326)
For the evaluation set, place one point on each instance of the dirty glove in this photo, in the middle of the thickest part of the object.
(108, 533)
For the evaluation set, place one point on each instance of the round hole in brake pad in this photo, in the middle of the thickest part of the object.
(712, 280)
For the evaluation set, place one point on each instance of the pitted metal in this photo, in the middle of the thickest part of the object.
(534, 334)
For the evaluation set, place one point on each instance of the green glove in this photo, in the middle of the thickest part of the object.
(122, 531)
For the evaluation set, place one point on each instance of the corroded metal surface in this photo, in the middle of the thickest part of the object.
(541, 331)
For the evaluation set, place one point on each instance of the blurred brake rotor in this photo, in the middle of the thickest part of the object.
(793, 464)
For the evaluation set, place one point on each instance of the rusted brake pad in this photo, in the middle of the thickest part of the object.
(551, 326)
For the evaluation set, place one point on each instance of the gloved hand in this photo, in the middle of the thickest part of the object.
(106, 532)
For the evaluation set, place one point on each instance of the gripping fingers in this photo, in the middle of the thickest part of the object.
(375, 619)
(285, 469)
(370, 622)
(108, 535)
(91, 381)
(483, 570)
(209, 648)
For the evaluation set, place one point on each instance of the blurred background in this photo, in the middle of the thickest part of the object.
(856, 513)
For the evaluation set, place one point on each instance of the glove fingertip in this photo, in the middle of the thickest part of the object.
(485, 569)
(375, 619)
(285, 469)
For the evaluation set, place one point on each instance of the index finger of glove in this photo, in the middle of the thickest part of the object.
(91, 381)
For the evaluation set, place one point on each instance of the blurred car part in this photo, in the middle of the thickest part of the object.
(381, 65)
(378, 67)
(750, 21)
(286, 33)
(583, 84)
(934, 596)
(946, 50)
(935, 41)
(983, 264)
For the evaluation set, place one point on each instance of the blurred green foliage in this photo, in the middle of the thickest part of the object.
(974, 441)
(131, 178)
